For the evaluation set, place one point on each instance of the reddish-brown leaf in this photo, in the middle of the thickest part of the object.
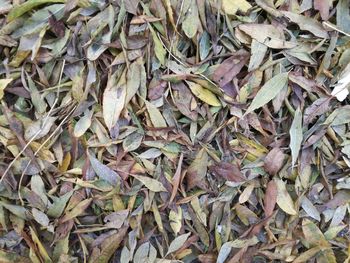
(274, 161)
(228, 171)
(270, 198)
(230, 67)
(323, 6)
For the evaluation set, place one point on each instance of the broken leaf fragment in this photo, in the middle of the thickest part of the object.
(3, 85)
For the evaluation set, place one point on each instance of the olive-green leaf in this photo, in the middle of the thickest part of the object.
(268, 91)
(155, 115)
(177, 243)
(151, 184)
(77, 210)
(158, 47)
(21, 9)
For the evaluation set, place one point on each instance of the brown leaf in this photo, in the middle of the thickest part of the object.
(230, 67)
(176, 179)
(317, 108)
(270, 198)
(323, 6)
(57, 26)
(274, 161)
(228, 171)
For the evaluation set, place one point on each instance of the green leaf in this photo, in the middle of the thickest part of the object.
(258, 53)
(57, 208)
(39, 20)
(191, 21)
(38, 187)
(132, 142)
(83, 124)
(37, 100)
(296, 135)
(21, 9)
(177, 243)
(135, 72)
(151, 184)
(305, 256)
(158, 47)
(17, 210)
(269, 91)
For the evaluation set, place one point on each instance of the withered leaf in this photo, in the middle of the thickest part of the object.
(227, 70)
(228, 171)
(114, 99)
(274, 161)
(270, 198)
(284, 200)
(168, 131)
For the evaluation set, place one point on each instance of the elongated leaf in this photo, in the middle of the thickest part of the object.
(27, 6)
(157, 118)
(104, 171)
(158, 47)
(296, 135)
(269, 91)
(57, 208)
(17, 210)
(108, 247)
(307, 23)
(151, 184)
(77, 210)
(284, 201)
(204, 94)
(114, 99)
(177, 243)
(191, 21)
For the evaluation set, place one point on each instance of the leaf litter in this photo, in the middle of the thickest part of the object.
(174, 131)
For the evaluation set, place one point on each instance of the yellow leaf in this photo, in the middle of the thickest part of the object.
(284, 201)
(3, 85)
(204, 94)
(41, 248)
(175, 219)
(231, 7)
(155, 115)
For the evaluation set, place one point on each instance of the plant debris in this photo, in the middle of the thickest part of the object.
(174, 131)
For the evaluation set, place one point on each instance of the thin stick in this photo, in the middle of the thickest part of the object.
(335, 28)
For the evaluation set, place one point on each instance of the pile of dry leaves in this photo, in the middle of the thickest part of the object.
(174, 131)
